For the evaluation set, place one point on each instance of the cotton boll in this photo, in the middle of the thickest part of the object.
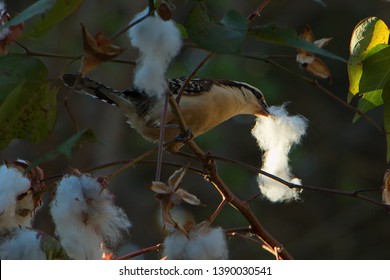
(3, 19)
(109, 220)
(68, 210)
(275, 135)
(200, 243)
(15, 211)
(24, 244)
(85, 215)
(159, 42)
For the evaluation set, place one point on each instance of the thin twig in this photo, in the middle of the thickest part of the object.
(250, 17)
(30, 52)
(259, 9)
(143, 251)
(192, 75)
(133, 162)
(162, 137)
(132, 24)
(354, 194)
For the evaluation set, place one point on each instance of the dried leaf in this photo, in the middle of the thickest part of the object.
(315, 66)
(97, 49)
(386, 188)
(176, 178)
(187, 197)
(160, 188)
(309, 61)
(168, 222)
(307, 34)
(322, 42)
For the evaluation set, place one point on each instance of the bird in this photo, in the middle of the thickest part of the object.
(204, 104)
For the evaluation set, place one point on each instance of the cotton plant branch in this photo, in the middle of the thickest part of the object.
(354, 194)
(31, 52)
(212, 175)
(143, 251)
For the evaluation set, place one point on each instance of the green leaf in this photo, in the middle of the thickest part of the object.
(29, 112)
(16, 69)
(386, 101)
(35, 9)
(376, 69)
(367, 34)
(368, 101)
(288, 37)
(66, 148)
(225, 36)
(28, 107)
(60, 10)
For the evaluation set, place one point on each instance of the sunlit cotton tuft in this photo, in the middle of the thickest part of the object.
(200, 243)
(275, 135)
(85, 216)
(159, 42)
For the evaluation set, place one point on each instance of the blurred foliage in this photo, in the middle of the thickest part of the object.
(335, 154)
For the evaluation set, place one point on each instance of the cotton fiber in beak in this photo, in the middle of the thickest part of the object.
(275, 135)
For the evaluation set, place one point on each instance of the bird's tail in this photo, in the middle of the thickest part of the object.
(89, 87)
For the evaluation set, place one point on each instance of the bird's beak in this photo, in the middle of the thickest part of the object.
(264, 112)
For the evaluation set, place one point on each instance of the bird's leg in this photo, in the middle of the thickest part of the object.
(180, 140)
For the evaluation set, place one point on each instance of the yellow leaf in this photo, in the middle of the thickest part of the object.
(367, 34)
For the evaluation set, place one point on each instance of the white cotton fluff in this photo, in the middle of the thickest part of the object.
(24, 244)
(5, 31)
(85, 216)
(275, 135)
(12, 184)
(159, 42)
(201, 243)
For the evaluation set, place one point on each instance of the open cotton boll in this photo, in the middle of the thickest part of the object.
(69, 209)
(14, 211)
(275, 135)
(201, 243)
(109, 220)
(24, 244)
(85, 215)
(3, 13)
(159, 42)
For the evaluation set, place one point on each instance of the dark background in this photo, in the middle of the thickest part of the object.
(334, 154)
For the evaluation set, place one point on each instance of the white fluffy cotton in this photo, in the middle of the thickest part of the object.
(200, 243)
(275, 135)
(5, 31)
(24, 244)
(14, 211)
(85, 216)
(159, 42)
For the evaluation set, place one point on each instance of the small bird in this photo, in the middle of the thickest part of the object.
(204, 104)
